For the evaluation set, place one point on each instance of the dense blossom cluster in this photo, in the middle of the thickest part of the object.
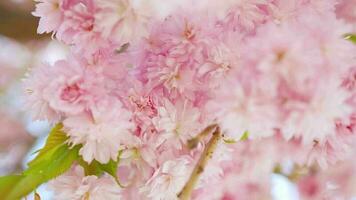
(146, 77)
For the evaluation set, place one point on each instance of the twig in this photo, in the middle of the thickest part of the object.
(192, 143)
(199, 168)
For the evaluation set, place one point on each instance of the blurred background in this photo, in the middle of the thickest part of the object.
(21, 48)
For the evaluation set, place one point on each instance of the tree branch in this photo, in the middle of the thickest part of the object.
(199, 168)
(192, 143)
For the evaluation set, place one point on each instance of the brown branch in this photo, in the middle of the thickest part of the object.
(192, 143)
(199, 168)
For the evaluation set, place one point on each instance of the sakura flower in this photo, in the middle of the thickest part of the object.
(336, 147)
(214, 169)
(140, 158)
(320, 117)
(241, 172)
(68, 88)
(75, 185)
(78, 23)
(246, 14)
(346, 10)
(282, 11)
(102, 133)
(297, 81)
(50, 14)
(34, 86)
(322, 7)
(168, 180)
(140, 84)
(310, 187)
(143, 106)
(122, 20)
(242, 112)
(177, 123)
(173, 56)
(221, 59)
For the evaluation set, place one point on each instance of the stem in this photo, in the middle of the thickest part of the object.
(199, 168)
(192, 143)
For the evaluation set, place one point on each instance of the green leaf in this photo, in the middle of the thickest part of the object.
(96, 168)
(350, 37)
(110, 168)
(50, 166)
(244, 137)
(54, 140)
(55, 158)
(90, 169)
(22, 188)
(54, 163)
(7, 183)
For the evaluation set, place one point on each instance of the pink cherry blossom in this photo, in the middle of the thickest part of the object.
(244, 15)
(78, 23)
(177, 123)
(103, 131)
(122, 20)
(35, 102)
(50, 15)
(68, 89)
(277, 78)
(167, 180)
(346, 10)
(75, 185)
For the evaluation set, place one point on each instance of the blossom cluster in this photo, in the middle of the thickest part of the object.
(144, 78)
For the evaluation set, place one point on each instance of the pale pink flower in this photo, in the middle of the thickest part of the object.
(345, 9)
(142, 105)
(214, 169)
(168, 180)
(321, 7)
(341, 180)
(243, 112)
(139, 84)
(304, 84)
(176, 123)
(334, 50)
(33, 87)
(50, 14)
(246, 15)
(310, 187)
(64, 92)
(78, 23)
(67, 88)
(140, 158)
(171, 56)
(222, 57)
(316, 119)
(122, 21)
(75, 185)
(103, 132)
(336, 147)
(249, 171)
(283, 11)
(350, 79)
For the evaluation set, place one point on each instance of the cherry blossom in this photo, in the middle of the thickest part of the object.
(75, 185)
(204, 100)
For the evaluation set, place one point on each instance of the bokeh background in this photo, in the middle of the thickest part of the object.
(21, 49)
